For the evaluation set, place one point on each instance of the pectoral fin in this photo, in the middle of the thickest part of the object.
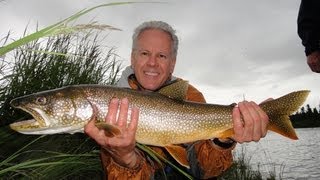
(179, 154)
(109, 129)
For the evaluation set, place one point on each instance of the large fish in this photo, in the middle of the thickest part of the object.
(165, 119)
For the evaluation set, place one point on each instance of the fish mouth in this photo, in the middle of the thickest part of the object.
(40, 124)
(31, 124)
(24, 125)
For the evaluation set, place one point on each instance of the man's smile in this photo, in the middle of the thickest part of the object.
(151, 73)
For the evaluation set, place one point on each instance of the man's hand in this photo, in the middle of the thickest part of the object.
(121, 147)
(249, 122)
(313, 61)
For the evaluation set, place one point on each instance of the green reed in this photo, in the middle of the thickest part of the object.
(242, 169)
(40, 65)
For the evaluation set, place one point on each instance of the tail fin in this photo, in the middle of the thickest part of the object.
(279, 110)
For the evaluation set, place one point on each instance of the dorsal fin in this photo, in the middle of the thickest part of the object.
(176, 90)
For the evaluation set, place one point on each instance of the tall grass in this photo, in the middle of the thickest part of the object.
(242, 169)
(81, 61)
(53, 157)
(40, 65)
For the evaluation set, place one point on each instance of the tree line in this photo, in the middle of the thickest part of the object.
(307, 117)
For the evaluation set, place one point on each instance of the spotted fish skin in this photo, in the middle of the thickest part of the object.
(162, 120)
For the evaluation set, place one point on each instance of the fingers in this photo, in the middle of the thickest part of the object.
(112, 111)
(123, 113)
(257, 116)
(249, 122)
(134, 119)
(121, 119)
(237, 123)
(117, 115)
(264, 120)
(253, 124)
(313, 61)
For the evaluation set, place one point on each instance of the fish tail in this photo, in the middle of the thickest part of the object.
(279, 110)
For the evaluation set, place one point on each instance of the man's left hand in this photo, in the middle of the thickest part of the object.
(249, 121)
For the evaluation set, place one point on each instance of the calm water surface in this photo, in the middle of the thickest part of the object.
(299, 159)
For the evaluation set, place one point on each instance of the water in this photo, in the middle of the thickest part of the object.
(298, 159)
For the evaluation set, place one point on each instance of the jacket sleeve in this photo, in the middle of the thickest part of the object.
(309, 25)
(142, 170)
(205, 159)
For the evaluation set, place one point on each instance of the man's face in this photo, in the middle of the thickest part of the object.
(152, 60)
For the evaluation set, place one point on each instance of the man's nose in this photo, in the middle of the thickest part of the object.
(152, 61)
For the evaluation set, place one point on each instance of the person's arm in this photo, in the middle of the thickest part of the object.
(119, 155)
(309, 25)
(309, 31)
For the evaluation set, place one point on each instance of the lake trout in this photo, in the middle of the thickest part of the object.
(165, 119)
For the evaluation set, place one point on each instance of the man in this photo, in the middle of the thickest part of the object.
(309, 31)
(153, 58)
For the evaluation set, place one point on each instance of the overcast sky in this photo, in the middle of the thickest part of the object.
(229, 49)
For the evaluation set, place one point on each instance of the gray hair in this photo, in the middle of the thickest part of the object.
(156, 25)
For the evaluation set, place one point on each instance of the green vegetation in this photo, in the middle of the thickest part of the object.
(242, 170)
(306, 118)
(36, 70)
(58, 61)
(43, 157)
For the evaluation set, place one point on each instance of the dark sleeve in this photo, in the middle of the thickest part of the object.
(309, 25)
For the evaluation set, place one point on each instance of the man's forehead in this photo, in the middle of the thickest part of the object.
(154, 30)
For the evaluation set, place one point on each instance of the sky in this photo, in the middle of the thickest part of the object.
(230, 50)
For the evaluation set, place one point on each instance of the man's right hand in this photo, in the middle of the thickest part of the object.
(121, 147)
(313, 61)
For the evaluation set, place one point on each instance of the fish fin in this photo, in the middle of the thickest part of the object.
(279, 110)
(109, 129)
(176, 90)
(179, 154)
(226, 134)
(283, 126)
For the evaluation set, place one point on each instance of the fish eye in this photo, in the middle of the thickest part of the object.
(41, 100)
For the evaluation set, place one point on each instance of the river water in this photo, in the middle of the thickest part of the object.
(289, 159)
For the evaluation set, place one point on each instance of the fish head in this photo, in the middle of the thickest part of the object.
(53, 111)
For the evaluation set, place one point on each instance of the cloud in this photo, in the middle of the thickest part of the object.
(227, 48)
